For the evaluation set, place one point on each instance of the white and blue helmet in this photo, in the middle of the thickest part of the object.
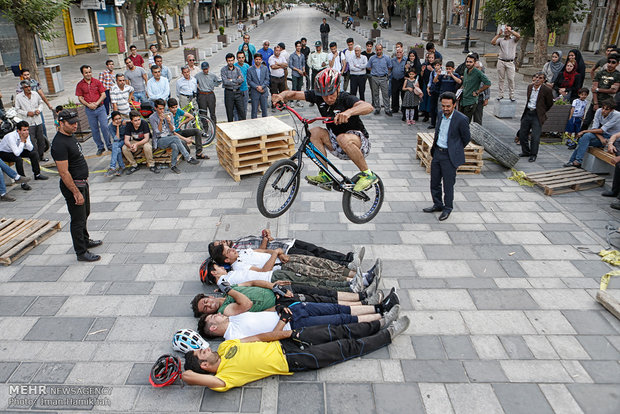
(186, 340)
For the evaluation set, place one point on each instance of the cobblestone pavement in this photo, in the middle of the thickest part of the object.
(501, 295)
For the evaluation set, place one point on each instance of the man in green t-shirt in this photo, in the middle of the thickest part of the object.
(472, 78)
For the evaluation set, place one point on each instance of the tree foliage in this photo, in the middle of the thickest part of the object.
(518, 13)
(36, 16)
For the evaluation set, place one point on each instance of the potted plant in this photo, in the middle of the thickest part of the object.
(222, 37)
(374, 32)
(83, 130)
(419, 50)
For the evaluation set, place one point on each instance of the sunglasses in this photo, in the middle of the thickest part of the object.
(613, 62)
(191, 60)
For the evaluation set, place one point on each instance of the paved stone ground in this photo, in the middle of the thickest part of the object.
(501, 295)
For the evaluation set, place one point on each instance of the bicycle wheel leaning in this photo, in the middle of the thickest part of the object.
(208, 128)
(359, 211)
(273, 198)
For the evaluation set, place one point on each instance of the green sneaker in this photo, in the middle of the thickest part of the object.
(320, 179)
(365, 182)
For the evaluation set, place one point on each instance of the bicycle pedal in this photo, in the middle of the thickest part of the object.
(325, 186)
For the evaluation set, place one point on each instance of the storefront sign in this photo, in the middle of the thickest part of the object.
(80, 24)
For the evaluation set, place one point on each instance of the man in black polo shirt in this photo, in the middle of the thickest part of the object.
(73, 171)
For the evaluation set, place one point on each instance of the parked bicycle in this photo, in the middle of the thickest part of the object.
(280, 184)
(201, 121)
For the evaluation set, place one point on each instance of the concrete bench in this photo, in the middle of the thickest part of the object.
(598, 161)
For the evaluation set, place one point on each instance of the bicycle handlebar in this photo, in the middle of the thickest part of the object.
(326, 119)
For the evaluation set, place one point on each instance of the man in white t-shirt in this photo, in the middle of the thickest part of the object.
(278, 62)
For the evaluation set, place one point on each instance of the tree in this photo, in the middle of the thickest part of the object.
(128, 10)
(444, 20)
(194, 19)
(518, 14)
(408, 6)
(429, 16)
(32, 18)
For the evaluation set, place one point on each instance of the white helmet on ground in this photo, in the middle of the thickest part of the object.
(186, 340)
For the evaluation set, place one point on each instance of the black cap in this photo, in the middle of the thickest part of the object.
(68, 116)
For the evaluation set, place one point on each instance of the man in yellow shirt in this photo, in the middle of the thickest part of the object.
(240, 361)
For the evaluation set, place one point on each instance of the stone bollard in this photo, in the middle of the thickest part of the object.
(207, 52)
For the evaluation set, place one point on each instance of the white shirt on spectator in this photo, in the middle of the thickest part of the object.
(12, 143)
(531, 104)
(273, 60)
(23, 105)
(252, 323)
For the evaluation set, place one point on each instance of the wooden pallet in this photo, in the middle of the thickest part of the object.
(565, 180)
(252, 146)
(19, 236)
(473, 155)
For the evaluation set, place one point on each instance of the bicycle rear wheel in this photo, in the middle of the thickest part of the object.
(208, 128)
(273, 198)
(359, 211)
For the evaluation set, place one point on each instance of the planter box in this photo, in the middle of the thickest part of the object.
(420, 52)
(556, 118)
(83, 131)
(190, 51)
(223, 39)
(374, 33)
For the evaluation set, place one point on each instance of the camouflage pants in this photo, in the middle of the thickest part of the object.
(341, 286)
(316, 267)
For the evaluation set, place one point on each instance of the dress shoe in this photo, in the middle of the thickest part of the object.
(388, 113)
(99, 151)
(93, 243)
(532, 158)
(26, 187)
(615, 205)
(41, 177)
(430, 127)
(88, 257)
(377, 111)
(609, 194)
(523, 155)
(572, 164)
(432, 209)
(444, 215)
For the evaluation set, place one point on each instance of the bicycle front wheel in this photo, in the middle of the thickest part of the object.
(278, 188)
(359, 211)
(208, 129)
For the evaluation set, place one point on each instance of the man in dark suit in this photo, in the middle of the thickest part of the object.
(258, 80)
(539, 101)
(448, 152)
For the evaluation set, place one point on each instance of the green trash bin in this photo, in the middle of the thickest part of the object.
(115, 38)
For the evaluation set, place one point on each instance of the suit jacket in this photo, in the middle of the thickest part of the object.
(543, 103)
(254, 81)
(458, 137)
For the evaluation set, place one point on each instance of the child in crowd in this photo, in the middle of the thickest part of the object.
(433, 91)
(117, 132)
(449, 81)
(577, 113)
(412, 96)
(57, 111)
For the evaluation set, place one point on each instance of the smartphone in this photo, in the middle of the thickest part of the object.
(502, 28)
(443, 72)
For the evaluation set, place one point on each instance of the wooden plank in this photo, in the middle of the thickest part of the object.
(36, 232)
(15, 230)
(17, 238)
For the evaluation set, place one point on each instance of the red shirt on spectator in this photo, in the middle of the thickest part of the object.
(90, 92)
(137, 59)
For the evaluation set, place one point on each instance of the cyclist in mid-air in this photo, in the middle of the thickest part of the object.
(346, 138)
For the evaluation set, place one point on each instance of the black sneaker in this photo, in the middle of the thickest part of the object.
(154, 169)
(377, 111)
(88, 257)
(391, 300)
(41, 177)
(99, 151)
(388, 113)
(26, 187)
(131, 170)
(175, 170)
(193, 161)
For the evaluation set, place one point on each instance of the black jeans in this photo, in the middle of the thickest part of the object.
(442, 169)
(321, 346)
(358, 82)
(306, 293)
(197, 134)
(397, 90)
(469, 111)
(615, 187)
(434, 99)
(234, 99)
(206, 101)
(79, 216)
(529, 121)
(19, 163)
(309, 249)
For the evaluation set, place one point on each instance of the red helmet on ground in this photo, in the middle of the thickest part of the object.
(327, 82)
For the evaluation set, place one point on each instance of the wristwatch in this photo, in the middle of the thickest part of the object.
(596, 89)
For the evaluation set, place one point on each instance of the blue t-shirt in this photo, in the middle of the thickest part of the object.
(244, 71)
(177, 118)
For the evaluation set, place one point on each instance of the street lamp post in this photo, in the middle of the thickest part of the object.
(469, 7)
(181, 25)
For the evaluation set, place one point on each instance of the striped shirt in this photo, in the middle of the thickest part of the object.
(107, 78)
(121, 98)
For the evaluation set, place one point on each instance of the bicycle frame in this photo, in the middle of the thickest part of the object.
(191, 109)
(319, 159)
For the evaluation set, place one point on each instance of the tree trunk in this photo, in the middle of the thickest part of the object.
(157, 27)
(211, 8)
(521, 55)
(194, 19)
(410, 14)
(384, 6)
(363, 9)
(540, 32)
(429, 16)
(420, 21)
(444, 20)
(373, 15)
(129, 14)
(611, 18)
(144, 31)
(27, 56)
(167, 32)
(585, 37)
(234, 7)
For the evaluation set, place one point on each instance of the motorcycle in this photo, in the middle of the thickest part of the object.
(382, 21)
(8, 120)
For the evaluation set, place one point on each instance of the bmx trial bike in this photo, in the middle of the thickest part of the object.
(280, 184)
